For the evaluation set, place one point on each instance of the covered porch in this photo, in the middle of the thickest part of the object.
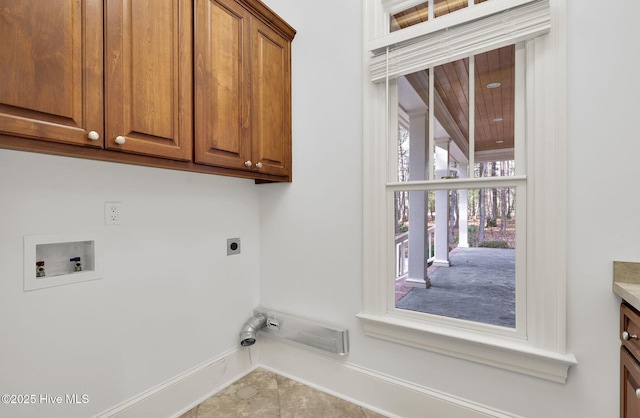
(478, 285)
(457, 153)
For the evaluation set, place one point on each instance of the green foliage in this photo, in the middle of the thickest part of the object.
(494, 244)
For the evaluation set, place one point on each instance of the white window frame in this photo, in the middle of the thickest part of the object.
(538, 347)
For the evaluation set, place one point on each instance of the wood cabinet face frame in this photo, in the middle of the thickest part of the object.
(629, 362)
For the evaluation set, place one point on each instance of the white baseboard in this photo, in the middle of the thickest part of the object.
(375, 391)
(370, 389)
(181, 393)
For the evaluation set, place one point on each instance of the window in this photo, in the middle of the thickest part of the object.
(422, 11)
(464, 136)
(467, 265)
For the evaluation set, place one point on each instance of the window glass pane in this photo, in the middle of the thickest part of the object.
(494, 109)
(420, 13)
(495, 169)
(451, 123)
(413, 129)
(409, 17)
(443, 7)
(415, 237)
(451, 111)
(494, 133)
(403, 154)
(455, 254)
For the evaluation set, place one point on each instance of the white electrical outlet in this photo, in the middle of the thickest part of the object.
(112, 213)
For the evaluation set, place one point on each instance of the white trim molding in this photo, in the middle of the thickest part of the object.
(509, 354)
(483, 32)
(186, 390)
(377, 43)
(335, 375)
(378, 392)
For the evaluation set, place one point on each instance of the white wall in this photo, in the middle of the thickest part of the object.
(170, 298)
(311, 230)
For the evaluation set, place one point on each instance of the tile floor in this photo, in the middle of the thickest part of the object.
(264, 394)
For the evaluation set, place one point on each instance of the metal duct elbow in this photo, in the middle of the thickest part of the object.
(250, 328)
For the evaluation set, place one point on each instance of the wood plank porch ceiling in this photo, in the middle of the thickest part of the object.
(494, 107)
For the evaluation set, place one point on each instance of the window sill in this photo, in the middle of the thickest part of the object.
(501, 352)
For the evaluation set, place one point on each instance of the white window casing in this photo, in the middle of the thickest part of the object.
(489, 29)
(537, 346)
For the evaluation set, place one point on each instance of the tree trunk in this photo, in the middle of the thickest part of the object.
(494, 196)
(481, 208)
(504, 199)
(453, 203)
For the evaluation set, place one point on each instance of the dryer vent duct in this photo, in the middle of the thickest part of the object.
(302, 332)
(251, 328)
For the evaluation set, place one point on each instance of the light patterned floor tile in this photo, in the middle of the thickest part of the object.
(265, 394)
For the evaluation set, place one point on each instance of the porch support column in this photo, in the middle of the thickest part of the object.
(442, 204)
(463, 207)
(418, 139)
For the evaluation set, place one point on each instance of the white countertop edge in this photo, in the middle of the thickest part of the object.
(630, 292)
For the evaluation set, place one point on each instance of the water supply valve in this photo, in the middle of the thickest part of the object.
(77, 266)
(40, 269)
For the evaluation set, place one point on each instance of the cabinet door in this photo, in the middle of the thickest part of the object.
(51, 70)
(222, 135)
(271, 101)
(629, 385)
(148, 83)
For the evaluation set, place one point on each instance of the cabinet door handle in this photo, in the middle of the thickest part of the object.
(248, 163)
(120, 140)
(638, 393)
(259, 165)
(626, 336)
(93, 135)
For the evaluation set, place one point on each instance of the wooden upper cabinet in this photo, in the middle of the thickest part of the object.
(198, 85)
(148, 77)
(271, 101)
(243, 87)
(51, 70)
(222, 90)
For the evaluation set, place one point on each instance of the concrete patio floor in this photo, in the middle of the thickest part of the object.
(479, 285)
